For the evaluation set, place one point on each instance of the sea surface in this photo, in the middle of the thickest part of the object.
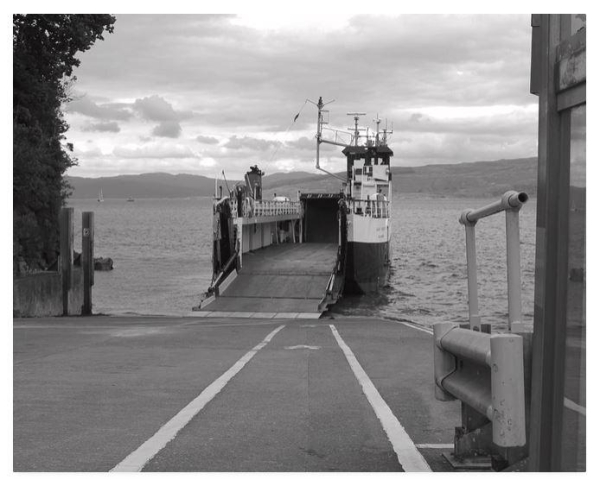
(161, 250)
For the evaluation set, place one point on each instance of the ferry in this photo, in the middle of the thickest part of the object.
(364, 202)
(302, 255)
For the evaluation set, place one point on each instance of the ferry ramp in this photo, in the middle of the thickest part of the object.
(287, 280)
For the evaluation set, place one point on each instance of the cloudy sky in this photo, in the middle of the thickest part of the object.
(202, 93)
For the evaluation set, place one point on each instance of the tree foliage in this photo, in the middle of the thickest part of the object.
(44, 56)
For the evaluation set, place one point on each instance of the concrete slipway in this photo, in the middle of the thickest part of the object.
(219, 394)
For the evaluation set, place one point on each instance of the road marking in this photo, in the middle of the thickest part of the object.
(302, 346)
(409, 457)
(418, 328)
(139, 458)
(574, 406)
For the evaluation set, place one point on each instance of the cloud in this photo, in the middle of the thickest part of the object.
(170, 129)
(102, 127)
(156, 108)
(207, 140)
(154, 151)
(106, 111)
(251, 143)
(92, 153)
(303, 143)
(416, 117)
(309, 144)
(246, 80)
(515, 123)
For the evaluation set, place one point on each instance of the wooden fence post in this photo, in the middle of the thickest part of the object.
(87, 260)
(66, 255)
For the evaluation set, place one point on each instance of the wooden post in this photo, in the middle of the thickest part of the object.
(66, 255)
(87, 260)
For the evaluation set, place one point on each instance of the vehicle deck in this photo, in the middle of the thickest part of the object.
(287, 278)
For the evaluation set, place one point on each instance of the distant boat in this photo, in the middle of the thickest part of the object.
(100, 196)
(130, 199)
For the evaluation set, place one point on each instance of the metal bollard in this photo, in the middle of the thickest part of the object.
(508, 390)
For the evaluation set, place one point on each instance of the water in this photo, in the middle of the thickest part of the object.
(162, 249)
(428, 282)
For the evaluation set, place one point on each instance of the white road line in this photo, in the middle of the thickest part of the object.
(140, 457)
(574, 406)
(409, 457)
(435, 446)
(418, 328)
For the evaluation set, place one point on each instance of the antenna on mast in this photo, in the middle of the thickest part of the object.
(320, 123)
(320, 105)
(387, 132)
(377, 120)
(356, 116)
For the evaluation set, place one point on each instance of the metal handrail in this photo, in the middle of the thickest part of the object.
(511, 203)
(510, 200)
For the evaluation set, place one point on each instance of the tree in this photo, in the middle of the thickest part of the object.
(44, 50)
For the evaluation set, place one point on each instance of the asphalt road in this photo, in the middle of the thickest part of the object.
(90, 392)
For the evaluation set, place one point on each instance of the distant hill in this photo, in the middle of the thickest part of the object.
(475, 179)
(143, 185)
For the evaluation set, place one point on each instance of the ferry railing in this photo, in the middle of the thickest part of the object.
(276, 208)
(511, 203)
(251, 208)
(370, 207)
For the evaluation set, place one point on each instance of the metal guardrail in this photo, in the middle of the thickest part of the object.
(510, 203)
(501, 397)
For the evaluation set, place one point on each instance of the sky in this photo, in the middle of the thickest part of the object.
(201, 93)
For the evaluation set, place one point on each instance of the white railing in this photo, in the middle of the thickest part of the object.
(510, 203)
(252, 208)
(370, 207)
(276, 208)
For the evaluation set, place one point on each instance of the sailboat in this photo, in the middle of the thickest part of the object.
(100, 196)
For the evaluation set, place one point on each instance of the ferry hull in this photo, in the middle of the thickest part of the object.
(367, 267)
